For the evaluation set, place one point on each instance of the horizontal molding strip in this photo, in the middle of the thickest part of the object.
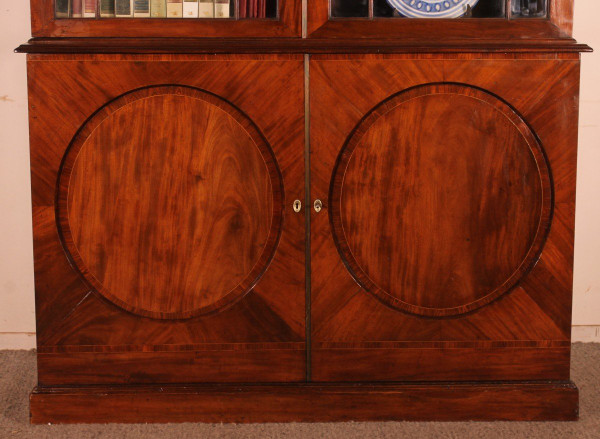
(292, 45)
(477, 344)
(265, 346)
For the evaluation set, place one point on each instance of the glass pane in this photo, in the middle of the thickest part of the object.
(528, 8)
(271, 8)
(248, 9)
(439, 8)
(258, 8)
(489, 9)
(381, 8)
(62, 9)
(349, 8)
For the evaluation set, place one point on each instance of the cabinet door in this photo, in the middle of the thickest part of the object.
(458, 19)
(166, 244)
(444, 251)
(279, 18)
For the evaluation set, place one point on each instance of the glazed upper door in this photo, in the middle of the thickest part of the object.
(233, 18)
(167, 248)
(440, 22)
(443, 252)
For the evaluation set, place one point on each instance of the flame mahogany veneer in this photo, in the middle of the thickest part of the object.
(175, 282)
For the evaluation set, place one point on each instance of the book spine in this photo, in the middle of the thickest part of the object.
(190, 8)
(158, 8)
(89, 8)
(62, 9)
(174, 8)
(77, 9)
(107, 8)
(124, 8)
(221, 8)
(141, 8)
(206, 9)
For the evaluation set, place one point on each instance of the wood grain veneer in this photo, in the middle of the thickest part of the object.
(367, 305)
(176, 282)
(455, 208)
(170, 202)
(308, 403)
(110, 193)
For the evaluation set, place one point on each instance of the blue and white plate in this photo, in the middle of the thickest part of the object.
(432, 8)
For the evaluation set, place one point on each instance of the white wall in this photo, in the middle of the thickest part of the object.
(17, 324)
(586, 302)
(17, 318)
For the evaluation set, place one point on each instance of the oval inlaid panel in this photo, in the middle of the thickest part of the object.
(170, 202)
(440, 200)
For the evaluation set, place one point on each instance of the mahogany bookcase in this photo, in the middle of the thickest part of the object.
(337, 213)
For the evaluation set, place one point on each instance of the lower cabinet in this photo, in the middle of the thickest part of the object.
(445, 250)
(166, 246)
(179, 240)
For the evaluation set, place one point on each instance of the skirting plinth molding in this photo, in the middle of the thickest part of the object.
(508, 401)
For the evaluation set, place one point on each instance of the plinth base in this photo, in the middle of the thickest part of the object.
(557, 401)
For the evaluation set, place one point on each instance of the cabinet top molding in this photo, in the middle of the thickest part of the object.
(288, 45)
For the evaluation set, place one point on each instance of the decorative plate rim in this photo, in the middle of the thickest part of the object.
(412, 8)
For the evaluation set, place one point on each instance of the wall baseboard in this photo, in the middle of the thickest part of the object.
(17, 340)
(26, 340)
(586, 334)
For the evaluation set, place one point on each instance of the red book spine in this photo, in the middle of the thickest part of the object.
(242, 8)
(262, 10)
(76, 8)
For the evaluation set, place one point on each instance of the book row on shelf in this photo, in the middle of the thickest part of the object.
(164, 8)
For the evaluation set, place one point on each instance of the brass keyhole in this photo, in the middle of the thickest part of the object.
(297, 206)
(318, 205)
